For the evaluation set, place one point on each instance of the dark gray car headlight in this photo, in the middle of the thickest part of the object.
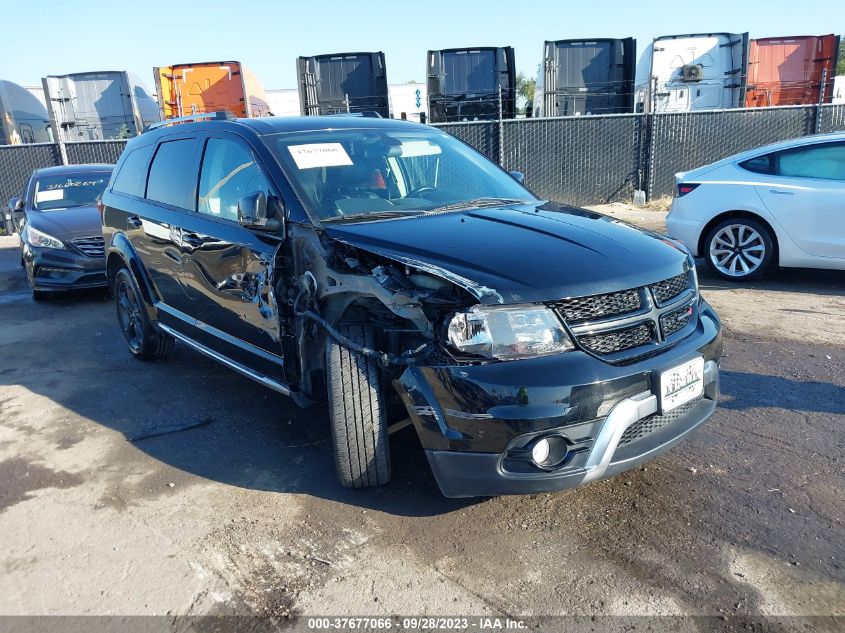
(42, 240)
(508, 332)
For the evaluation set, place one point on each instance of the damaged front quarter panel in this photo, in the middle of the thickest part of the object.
(341, 281)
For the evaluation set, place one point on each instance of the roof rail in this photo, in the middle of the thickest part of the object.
(223, 115)
(369, 114)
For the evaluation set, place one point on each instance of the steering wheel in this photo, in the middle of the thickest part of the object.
(416, 193)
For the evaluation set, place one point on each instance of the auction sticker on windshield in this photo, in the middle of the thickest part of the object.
(681, 384)
(319, 155)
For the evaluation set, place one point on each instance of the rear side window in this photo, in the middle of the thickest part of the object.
(133, 172)
(173, 174)
(759, 165)
(825, 162)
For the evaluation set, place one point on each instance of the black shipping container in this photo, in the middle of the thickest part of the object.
(587, 77)
(464, 83)
(354, 82)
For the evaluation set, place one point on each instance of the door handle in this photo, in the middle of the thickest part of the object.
(781, 192)
(192, 239)
(135, 221)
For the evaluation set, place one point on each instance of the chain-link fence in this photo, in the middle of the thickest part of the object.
(576, 160)
(482, 135)
(94, 152)
(595, 159)
(684, 140)
(17, 162)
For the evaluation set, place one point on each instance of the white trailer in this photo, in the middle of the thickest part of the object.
(23, 119)
(283, 102)
(683, 73)
(839, 89)
(98, 105)
(409, 99)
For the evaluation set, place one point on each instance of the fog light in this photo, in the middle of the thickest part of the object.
(540, 451)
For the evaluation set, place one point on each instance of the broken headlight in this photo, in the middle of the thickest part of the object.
(508, 332)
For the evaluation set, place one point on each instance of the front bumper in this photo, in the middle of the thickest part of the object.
(55, 270)
(473, 420)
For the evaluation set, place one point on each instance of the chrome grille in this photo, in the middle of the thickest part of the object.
(666, 290)
(599, 306)
(674, 321)
(655, 422)
(619, 340)
(93, 247)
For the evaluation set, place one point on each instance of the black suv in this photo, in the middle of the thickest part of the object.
(391, 268)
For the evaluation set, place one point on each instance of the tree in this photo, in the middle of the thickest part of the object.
(840, 66)
(525, 88)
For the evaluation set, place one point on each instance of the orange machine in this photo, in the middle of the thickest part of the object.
(788, 70)
(186, 89)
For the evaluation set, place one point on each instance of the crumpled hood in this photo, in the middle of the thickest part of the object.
(67, 224)
(520, 254)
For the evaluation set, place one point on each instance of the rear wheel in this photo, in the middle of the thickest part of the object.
(145, 343)
(739, 249)
(357, 410)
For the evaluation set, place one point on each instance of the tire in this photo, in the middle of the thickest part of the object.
(143, 340)
(40, 295)
(357, 411)
(739, 249)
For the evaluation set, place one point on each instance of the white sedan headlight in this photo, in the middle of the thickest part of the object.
(508, 333)
(42, 240)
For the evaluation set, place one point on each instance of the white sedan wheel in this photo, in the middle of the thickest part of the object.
(737, 250)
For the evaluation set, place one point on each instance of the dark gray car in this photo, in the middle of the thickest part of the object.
(59, 224)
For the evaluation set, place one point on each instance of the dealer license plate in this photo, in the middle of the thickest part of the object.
(681, 384)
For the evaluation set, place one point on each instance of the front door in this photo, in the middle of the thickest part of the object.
(228, 269)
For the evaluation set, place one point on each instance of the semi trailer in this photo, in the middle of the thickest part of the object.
(587, 76)
(471, 84)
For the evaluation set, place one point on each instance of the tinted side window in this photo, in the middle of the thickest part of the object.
(172, 175)
(229, 172)
(825, 162)
(759, 165)
(133, 172)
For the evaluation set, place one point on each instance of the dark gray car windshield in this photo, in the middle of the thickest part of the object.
(342, 173)
(69, 190)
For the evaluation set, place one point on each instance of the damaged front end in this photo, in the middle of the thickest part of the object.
(334, 282)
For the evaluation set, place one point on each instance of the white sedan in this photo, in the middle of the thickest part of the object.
(781, 204)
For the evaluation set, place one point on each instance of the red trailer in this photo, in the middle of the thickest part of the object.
(789, 70)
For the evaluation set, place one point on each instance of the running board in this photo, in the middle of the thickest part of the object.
(228, 362)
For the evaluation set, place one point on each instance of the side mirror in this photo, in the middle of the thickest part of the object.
(13, 215)
(252, 213)
(518, 176)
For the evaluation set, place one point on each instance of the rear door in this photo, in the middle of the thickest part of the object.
(153, 203)
(806, 195)
(228, 269)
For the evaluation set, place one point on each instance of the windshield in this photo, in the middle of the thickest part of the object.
(341, 173)
(69, 190)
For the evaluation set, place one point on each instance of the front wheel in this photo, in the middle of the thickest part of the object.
(358, 412)
(739, 249)
(145, 343)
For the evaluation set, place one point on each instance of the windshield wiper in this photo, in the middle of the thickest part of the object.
(374, 215)
(477, 203)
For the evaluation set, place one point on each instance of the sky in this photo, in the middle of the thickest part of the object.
(63, 36)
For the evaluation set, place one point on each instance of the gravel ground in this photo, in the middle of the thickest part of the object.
(240, 513)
